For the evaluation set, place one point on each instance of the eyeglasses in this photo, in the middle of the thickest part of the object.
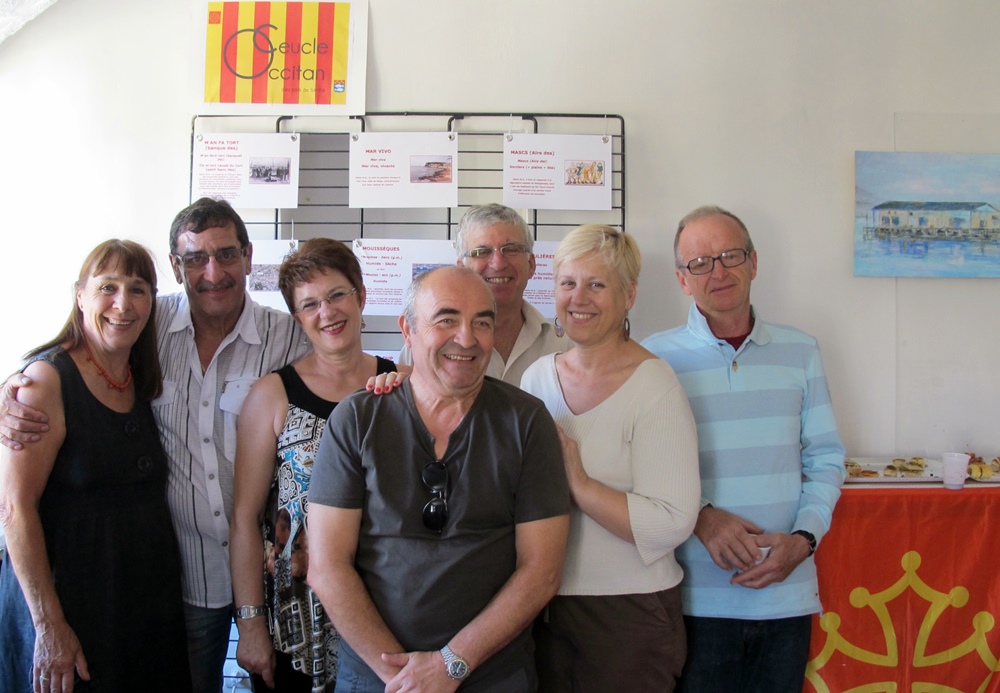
(224, 256)
(729, 258)
(485, 252)
(435, 477)
(333, 298)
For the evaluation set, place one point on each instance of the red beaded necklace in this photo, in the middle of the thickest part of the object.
(112, 383)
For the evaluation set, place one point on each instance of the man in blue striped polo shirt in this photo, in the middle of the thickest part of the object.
(771, 467)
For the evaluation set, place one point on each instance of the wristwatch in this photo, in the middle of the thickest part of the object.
(250, 611)
(808, 536)
(456, 667)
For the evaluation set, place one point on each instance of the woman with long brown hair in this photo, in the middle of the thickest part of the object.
(84, 510)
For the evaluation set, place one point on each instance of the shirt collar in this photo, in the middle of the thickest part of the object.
(246, 326)
(699, 325)
(182, 318)
(534, 322)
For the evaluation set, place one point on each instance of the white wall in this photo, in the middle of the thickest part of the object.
(757, 106)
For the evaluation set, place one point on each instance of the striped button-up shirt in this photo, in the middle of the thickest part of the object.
(197, 416)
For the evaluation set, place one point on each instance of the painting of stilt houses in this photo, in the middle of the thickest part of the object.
(952, 229)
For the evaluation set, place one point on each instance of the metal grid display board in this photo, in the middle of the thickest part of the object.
(323, 209)
(323, 172)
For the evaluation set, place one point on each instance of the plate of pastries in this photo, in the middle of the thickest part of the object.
(866, 470)
(984, 470)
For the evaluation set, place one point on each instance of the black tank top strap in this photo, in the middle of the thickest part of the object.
(384, 365)
(301, 396)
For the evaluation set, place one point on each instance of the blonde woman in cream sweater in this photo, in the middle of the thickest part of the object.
(631, 455)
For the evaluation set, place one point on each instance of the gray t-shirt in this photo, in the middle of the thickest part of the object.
(505, 467)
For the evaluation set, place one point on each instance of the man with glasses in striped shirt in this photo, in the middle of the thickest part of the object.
(771, 466)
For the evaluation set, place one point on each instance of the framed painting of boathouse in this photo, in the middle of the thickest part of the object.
(926, 215)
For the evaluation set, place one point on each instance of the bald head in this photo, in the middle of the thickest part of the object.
(449, 274)
(704, 212)
(448, 323)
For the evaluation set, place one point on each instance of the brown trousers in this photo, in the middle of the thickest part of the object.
(617, 643)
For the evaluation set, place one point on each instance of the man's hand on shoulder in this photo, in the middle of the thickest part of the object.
(787, 552)
(19, 424)
(729, 539)
(422, 672)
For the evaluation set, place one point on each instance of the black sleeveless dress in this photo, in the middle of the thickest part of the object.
(111, 546)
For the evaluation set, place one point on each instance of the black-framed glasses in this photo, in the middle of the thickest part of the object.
(312, 305)
(728, 258)
(224, 256)
(485, 252)
(435, 478)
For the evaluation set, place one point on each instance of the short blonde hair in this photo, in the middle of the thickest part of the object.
(617, 248)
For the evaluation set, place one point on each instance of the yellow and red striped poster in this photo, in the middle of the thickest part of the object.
(283, 53)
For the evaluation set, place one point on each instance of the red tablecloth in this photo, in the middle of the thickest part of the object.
(910, 587)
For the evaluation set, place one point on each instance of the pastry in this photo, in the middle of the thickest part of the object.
(853, 468)
(890, 471)
(980, 470)
(869, 473)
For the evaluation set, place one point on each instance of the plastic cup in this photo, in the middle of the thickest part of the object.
(956, 469)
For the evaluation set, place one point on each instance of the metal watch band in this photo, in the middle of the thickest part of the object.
(250, 611)
(456, 667)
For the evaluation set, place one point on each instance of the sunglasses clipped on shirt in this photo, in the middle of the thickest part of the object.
(435, 513)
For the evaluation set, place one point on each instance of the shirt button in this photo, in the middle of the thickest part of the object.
(205, 403)
(225, 544)
(144, 464)
(217, 513)
(204, 440)
(211, 477)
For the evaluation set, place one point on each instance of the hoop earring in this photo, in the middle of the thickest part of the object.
(627, 327)
(559, 328)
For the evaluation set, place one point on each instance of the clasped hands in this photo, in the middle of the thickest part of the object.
(419, 672)
(734, 544)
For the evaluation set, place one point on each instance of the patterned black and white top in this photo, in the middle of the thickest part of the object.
(299, 623)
